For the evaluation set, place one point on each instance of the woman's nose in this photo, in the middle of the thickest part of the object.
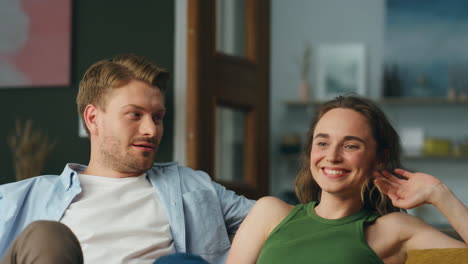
(334, 154)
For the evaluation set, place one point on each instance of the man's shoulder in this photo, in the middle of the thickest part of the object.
(185, 173)
(33, 180)
(43, 181)
(47, 179)
(188, 178)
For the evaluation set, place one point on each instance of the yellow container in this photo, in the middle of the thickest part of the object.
(437, 147)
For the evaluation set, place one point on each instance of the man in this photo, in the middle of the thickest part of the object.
(121, 207)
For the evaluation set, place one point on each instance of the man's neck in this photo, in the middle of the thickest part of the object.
(94, 169)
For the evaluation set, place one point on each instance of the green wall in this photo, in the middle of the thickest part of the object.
(100, 29)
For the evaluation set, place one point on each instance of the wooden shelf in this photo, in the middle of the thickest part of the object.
(296, 157)
(302, 103)
(392, 101)
(422, 101)
(435, 158)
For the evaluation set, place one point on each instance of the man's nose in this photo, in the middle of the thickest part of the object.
(148, 127)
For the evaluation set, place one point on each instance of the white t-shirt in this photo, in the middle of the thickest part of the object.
(119, 220)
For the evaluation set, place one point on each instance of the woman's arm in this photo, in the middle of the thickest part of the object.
(266, 214)
(421, 188)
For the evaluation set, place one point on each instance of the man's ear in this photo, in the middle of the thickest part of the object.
(90, 115)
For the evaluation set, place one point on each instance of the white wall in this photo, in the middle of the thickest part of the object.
(180, 80)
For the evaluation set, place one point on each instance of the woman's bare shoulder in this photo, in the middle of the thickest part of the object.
(274, 205)
(400, 218)
(271, 209)
(412, 233)
(399, 227)
(265, 215)
(399, 223)
(388, 222)
(388, 235)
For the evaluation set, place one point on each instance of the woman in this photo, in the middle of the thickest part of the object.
(343, 217)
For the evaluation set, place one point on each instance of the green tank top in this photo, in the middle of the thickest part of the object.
(304, 237)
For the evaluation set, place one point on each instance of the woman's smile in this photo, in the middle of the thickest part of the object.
(335, 173)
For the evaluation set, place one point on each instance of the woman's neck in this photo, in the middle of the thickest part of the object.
(333, 207)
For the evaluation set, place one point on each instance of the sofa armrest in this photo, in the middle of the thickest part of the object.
(438, 256)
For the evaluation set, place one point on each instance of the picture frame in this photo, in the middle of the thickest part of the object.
(340, 70)
(35, 45)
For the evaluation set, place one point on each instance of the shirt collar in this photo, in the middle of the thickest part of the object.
(71, 170)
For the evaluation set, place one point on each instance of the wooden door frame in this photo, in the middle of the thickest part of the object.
(201, 56)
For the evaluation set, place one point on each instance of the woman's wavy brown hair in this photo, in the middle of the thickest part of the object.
(388, 152)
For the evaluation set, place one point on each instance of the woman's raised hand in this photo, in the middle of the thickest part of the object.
(409, 190)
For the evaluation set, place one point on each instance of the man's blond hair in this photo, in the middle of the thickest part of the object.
(105, 75)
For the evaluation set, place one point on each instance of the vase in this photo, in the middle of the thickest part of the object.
(304, 93)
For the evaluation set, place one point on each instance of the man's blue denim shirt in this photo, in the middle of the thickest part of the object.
(201, 212)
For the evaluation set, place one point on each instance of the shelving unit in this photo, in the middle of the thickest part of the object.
(432, 101)
(296, 157)
(435, 158)
(423, 101)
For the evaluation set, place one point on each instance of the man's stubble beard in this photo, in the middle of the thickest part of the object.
(122, 160)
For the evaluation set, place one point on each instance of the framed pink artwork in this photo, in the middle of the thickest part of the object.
(35, 43)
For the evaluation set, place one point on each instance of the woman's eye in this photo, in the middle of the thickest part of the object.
(351, 147)
(321, 144)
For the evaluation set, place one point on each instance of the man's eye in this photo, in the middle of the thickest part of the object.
(135, 114)
(158, 117)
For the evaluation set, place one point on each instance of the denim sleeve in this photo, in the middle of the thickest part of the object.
(235, 207)
(8, 225)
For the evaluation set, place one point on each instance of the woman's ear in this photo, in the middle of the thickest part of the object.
(379, 166)
(90, 118)
(383, 160)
